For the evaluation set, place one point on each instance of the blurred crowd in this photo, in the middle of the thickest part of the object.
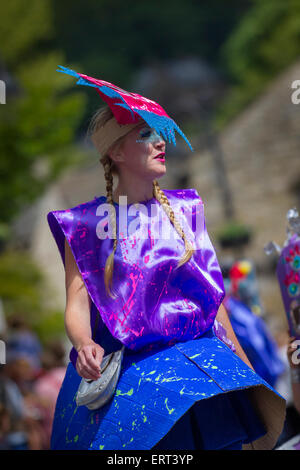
(32, 375)
(30, 381)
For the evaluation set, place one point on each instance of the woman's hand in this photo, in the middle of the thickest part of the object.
(89, 360)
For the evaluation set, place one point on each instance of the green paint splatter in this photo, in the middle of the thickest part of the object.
(170, 410)
(129, 393)
(195, 355)
(101, 447)
(67, 430)
(76, 438)
(172, 379)
(124, 445)
(133, 424)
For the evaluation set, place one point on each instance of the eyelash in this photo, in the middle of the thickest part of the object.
(145, 134)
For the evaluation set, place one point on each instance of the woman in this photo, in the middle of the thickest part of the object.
(180, 386)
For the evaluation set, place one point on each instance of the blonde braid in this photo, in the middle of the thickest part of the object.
(163, 200)
(109, 265)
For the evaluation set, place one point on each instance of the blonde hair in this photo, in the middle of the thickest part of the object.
(98, 120)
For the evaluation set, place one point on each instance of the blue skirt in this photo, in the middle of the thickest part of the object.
(192, 395)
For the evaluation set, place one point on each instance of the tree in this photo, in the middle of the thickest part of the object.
(115, 39)
(22, 291)
(37, 124)
(266, 41)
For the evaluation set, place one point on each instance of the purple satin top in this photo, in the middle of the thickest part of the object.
(156, 303)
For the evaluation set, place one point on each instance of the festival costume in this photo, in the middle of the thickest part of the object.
(173, 359)
(180, 386)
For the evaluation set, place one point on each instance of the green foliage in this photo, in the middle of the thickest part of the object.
(265, 42)
(50, 326)
(22, 26)
(117, 37)
(5, 232)
(22, 288)
(20, 283)
(233, 234)
(248, 42)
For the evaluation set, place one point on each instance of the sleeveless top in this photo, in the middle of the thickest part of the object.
(156, 304)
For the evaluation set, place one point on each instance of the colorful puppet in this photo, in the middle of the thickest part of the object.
(244, 286)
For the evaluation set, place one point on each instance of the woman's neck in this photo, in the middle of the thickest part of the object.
(134, 193)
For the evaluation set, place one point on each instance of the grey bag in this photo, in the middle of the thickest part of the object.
(96, 393)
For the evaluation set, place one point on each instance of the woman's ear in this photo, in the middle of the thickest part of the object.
(116, 153)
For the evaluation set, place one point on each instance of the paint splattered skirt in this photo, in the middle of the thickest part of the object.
(192, 395)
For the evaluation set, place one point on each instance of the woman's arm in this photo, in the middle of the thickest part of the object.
(77, 320)
(222, 317)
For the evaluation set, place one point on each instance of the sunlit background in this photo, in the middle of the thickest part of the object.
(224, 70)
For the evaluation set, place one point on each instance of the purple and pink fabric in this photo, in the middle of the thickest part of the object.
(181, 384)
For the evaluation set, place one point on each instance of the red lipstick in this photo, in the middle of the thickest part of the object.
(160, 157)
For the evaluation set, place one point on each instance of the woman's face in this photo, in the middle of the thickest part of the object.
(142, 152)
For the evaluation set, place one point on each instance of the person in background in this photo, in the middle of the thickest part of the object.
(23, 341)
(13, 435)
(244, 309)
(18, 375)
(48, 384)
